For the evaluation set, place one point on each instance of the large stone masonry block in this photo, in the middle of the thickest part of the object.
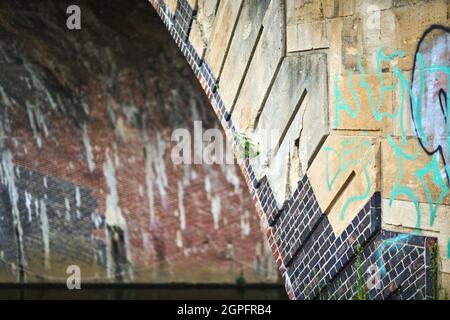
(304, 10)
(203, 24)
(356, 108)
(245, 39)
(293, 122)
(197, 40)
(406, 164)
(412, 21)
(227, 16)
(307, 36)
(263, 68)
(344, 176)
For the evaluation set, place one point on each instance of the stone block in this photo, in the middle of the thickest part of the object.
(247, 32)
(404, 172)
(206, 14)
(223, 31)
(307, 36)
(197, 40)
(344, 176)
(338, 8)
(263, 67)
(304, 11)
(367, 109)
(412, 21)
(293, 122)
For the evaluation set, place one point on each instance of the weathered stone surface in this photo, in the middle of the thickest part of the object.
(304, 10)
(206, 14)
(406, 171)
(263, 67)
(227, 15)
(409, 30)
(197, 40)
(295, 116)
(340, 8)
(248, 30)
(366, 107)
(344, 175)
(307, 36)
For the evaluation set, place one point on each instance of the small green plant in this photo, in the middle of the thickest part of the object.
(241, 281)
(360, 283)
(244, 147)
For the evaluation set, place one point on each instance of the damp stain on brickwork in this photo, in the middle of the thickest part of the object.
(85, 123)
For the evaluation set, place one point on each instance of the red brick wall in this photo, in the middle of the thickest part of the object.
(124, 81)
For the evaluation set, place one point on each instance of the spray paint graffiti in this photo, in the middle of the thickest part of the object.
(429, 85)
(355, 156)
(448, 249)
(428, 101)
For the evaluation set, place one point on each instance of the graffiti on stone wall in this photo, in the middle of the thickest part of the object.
(354, 155)
(426, 119)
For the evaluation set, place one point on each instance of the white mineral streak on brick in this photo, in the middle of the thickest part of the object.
(186, 175)
(33, 126)
(67, 204)
(155, 168)
(78, 201)
(149, 177)
(216, 210)
(4, 55)
(95, 217)
(45, 233)
(146, 242)
(10, 181)
(4, 126)
(116, 155)
(207, 183)
(88, 149)
(77, 197)
(194, 175)
(245, 224)
(181, 209)
(160, 168)
(36, 207)
(38, 86)
(179, 239)
(50, 99)
(113, 212)
(28, 199)
(230, 174)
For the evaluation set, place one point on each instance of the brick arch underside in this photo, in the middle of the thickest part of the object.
(314, 262)
(86, 176)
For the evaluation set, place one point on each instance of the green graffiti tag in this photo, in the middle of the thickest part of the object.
(353, 157)
(448, 249)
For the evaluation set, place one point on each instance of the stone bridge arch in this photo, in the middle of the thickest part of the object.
(352, 180)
